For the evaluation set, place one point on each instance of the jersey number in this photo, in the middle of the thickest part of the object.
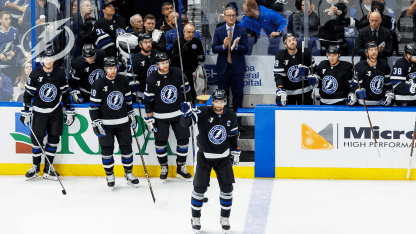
(99, 31)
(397, 71)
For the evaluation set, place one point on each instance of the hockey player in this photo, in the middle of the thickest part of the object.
(374, 76)
(144, 62)
(336, 77)
(403, 75)
(217, 143)
(163, 98)
(289, 72)
(111, 112)
(48, 86)
(85, 70)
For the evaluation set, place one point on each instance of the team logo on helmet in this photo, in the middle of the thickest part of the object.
(169, 94)
(115, 100)
(293, 74)
(217, 134)
(120, 31)
(376, 84)
(329, 84)
(48, 92)
(151, 69)
(412, 75)
(95, 75)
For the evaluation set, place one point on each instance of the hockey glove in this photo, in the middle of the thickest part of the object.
(186, 109)
(150, 124)
(76, 96)
(312, 80)
(69, 116)
(26, 117)
(281, 97)
(97, 127)
(302, 70)
(412, 88)
(132, 119)
(388, 98)
(235, 156)
(361, 93)
(352, 99)
(134, 86)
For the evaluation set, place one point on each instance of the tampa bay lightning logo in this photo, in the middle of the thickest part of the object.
(151, 69)
(412, 75)
(329, 84)
(48, 92)
(217, 134)
(169, 94)
(120, 31)
(376, 84)
(95, 75)
(115, 100)
(293, 74)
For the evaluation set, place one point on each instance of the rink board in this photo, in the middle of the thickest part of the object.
(333, 143)
(79, 153)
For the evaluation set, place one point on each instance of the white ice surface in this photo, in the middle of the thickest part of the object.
(283, 206)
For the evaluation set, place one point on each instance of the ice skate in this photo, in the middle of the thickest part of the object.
(131, 180)
(164, 172)
(225, 224)
(196, 224)
(33, 172)
(182, 173)
(49, 172)
(111, 181)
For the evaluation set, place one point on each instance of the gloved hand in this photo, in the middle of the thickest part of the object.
(97, 127)
(69, 117)
(302, 70)
(352, 99)
(281, 97)
(361, 93)
(412, 88)
(313, 79)
(132, 119)
(388, 98)
(235, 156)
(134, 86)
(76, 96)
(150, 124)
(26, 117)
(186, 109)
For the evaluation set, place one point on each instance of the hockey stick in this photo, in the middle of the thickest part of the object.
(365, 106)
(411, 151)
(183, 80)
(303, 78)
(313, 88)
(46, 157)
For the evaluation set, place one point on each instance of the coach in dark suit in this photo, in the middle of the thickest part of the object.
(231, 64)
(374, 32)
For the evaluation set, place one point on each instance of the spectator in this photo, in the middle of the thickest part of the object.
(167, 8)
(158, 36)
(333, 30)
(6, 88)
(136, 22)
(377, 34)
(259, 17)
(411, 13)
(171, 35)
(87, 23)
(230, 4)
(325, 13)
(386, 20)
(313, 21)
(9, 40)
(192, 52)
(17, 10)
(19, 84)
(231, 64)
(171, 22)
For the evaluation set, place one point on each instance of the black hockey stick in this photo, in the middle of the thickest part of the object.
(303, 78)
(46, 157)
(183, 80)
(411, 151)
(365, 106)
(313, 88)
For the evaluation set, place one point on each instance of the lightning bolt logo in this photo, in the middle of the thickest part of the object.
(48, 92)
(115, 100)
(169, 94)
(296, 73)
(218, 135)
(329, 84)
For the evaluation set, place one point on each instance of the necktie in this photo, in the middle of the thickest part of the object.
(230, 35)
(375, 36)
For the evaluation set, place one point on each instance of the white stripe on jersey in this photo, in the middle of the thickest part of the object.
(398, 78)
(30, 87)
(149, 94)
(299, 91)
(167, 115)
(85, 91)
(214, 156)
(95, 100)
(405, 97)
(63, 87)
(47, 110)
(115, 121)
(332, 101)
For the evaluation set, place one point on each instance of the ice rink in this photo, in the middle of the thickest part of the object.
(259, 206)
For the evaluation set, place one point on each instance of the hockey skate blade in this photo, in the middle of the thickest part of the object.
(195, 230)
(183, 179)
(49, 177)
(133, 185)
(33, 177)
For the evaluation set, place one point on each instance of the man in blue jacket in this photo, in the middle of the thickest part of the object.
(231, 44)
(260, 17)
(6, 88)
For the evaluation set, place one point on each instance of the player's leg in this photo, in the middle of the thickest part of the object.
(225, 177)
(39, 129)
(182, 138)
(107, 150)
(161, 141)
(54, 129)
(123, 135)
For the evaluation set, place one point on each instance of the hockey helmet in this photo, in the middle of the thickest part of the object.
(334, 49)
(287, 35)
(88, 51)
(48, 54)
(143, 36)
(219, 94)
(369, 45)
(410, 49)
(161, 56)
(110, 61)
